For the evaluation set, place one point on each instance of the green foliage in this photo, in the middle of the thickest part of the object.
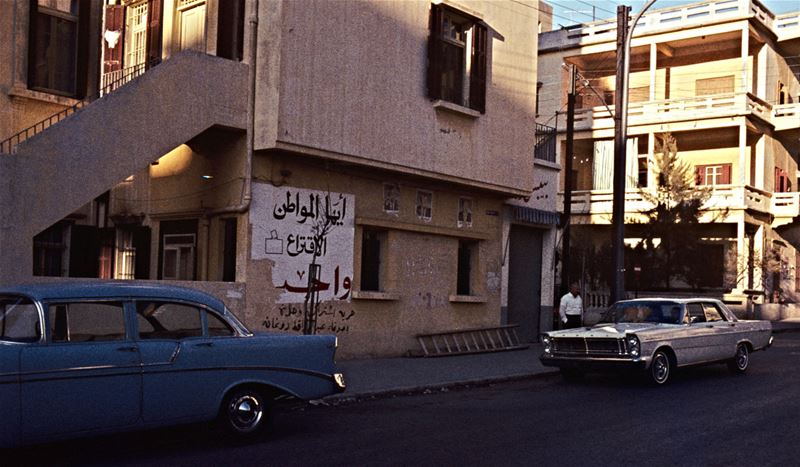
(670, 247)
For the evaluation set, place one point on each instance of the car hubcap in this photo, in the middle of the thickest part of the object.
(660, 369)
(742, 358)
(245, 412)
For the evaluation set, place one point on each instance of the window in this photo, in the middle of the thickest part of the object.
(641, 181)
(125, 263)
(712, 313)
(457, 58)
(49, 248)
(782, 182)
(424, 206)
(229, 250)
(465, 212)
(230, 30)
(466, 257)
(711, 86)
(695, 313)
(87, 321)
(719, 174)
(217, 327)
(56, 59)
(136, 35)
(178, 253)
(19, 320)
(391, 198)
(165, 320)
(371, 260)
(192, 21)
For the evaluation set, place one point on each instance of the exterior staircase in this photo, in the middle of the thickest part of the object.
(67, 164)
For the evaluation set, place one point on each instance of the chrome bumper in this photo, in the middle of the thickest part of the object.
(338, 379)
(594, 363)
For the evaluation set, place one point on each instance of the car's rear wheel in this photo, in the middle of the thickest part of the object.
(660, 368)
(741, 361)
(245, 411)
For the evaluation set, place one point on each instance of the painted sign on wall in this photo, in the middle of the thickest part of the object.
(283, 222)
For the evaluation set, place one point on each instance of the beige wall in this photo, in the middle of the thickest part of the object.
(352, 82)
(420, 261)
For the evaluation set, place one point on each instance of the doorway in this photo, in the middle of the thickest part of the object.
(525, 281)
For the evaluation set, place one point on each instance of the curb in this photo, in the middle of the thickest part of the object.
(341, 399)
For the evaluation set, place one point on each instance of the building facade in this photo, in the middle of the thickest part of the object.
(276, 153)
(722, 78)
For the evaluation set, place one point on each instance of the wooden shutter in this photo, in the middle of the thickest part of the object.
(699, 175)
(435, 44)
(115, 21)
(726, 174)
(154, 13)
(477, 79)
(777, 180)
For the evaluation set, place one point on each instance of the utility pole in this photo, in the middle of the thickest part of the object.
(618, 202)
(565, 222)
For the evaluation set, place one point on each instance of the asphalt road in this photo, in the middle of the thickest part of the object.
(705, 416)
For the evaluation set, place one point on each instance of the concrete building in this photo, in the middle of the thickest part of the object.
(723, 77)
(383, 143)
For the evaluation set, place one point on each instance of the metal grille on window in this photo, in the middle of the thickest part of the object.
(126, 255)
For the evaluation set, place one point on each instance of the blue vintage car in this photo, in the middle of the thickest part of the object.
(98, 357)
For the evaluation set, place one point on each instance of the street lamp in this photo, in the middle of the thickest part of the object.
(620, 149)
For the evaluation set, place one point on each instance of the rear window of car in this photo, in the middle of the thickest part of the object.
(168, 320)
(19, 320)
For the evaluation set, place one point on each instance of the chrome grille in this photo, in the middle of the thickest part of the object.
(589, 346)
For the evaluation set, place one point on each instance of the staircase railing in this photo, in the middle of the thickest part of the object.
(111, 82)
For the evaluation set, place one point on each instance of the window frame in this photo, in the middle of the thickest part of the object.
(418, 206)
(381, 238)
(70, 301)
(39, 316)
(702, 174)
(472, 248)
(80, 59)
(470, 89)
(203, 308)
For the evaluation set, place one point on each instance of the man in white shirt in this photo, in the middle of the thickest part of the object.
(571, 307)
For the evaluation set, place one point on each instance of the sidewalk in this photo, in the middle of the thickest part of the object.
(388, 376)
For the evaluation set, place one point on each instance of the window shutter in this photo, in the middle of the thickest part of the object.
(477, 79)
(153, 32)
(777, 180)
(115, 21)
(699, 172)
(726, 174)
(435, 44)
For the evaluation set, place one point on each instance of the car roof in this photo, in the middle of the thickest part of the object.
(672, 300)
(64, 290)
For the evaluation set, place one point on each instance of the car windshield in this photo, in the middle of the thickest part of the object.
(643, 312)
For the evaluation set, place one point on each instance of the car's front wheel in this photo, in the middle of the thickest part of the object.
(244, 412)
(741, 361)
(660, 368)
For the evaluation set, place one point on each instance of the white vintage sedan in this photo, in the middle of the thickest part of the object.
(656, 336)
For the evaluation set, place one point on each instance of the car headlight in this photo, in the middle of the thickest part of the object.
(548, 343)
(633, 346)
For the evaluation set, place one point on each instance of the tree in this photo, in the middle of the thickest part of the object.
(320, 229)
(671, 243)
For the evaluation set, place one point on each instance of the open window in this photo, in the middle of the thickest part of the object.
(457, 58)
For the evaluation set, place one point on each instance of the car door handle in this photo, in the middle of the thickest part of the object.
(710, 326)
(131, 348)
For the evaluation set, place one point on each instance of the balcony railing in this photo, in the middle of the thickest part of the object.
(673, 110)
(726, 197)
(545, 148)
(110, 82)
(681, 17)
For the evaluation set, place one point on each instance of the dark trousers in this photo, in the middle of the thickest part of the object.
(573, 321)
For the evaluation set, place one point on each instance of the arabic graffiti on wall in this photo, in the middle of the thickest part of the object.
(330, 318)
(282, 221)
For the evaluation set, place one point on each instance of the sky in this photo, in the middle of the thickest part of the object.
(566, 12)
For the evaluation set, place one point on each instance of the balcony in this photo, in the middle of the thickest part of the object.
(786, 116)
(677, 110)
(732, 198)
(785, 207)
(679, 17)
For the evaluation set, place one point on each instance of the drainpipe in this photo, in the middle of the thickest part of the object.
(247, 195)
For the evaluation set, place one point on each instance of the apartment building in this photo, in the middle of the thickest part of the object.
(258, 150)
(722, 77)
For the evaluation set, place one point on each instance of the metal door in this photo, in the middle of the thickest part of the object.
(525, 281)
